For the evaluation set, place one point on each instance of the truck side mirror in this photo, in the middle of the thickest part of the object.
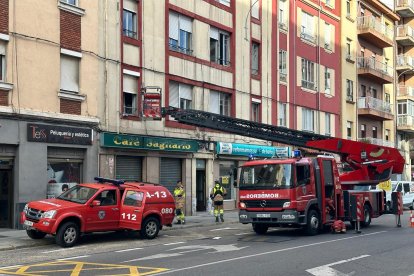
(95, 203)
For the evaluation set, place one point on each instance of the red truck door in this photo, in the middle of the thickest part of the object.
(106, 215)
(132, 207)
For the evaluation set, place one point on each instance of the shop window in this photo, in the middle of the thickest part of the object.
(62, 175)
(227, 177)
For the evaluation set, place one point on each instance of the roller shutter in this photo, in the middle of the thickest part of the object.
(170, 172)
(129, 168)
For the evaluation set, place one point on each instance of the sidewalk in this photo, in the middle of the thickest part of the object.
(13, 239)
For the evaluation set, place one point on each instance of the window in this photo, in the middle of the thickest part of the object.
(180, 33)
(107, 198)
(328, 124)
(220, 103)
(2, 62)
(255, 8)
(69, 73)
(255, 111)
(70, 2)
(387, 98)
(63, 175)
(363, 91)
(363, 131)
(348, 8)
(283, 14)
(307, 27)
(224, 2)
(349, 90)
(255, 58)
(327, 81)
(181, 95)
(133, 198)
(303, 174)
(281, 114)
(328, 2)
(308, 74)
(402, 108)
(373, 92)
(219, 46)
(129, 20)
(130, 92)
(349, 130)
(387, 135)
(348, 49)
(282, 66)
(308, 122)
(328, 36)
(374, 132)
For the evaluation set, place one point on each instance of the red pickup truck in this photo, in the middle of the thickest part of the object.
(109, 205)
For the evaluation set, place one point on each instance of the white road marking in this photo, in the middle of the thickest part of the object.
(7, 267)
(225, 228)
(130, 249)
(327, 270)
(241, 234)
(63, 249)
(216, 238)
(267, 253)
(173, 243)
(76, 257)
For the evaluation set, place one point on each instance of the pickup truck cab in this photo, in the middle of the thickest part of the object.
(109, 205)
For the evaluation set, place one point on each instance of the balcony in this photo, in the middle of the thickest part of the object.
(405, 64)
(405, 35)
(375, 32)
(405, 92)
(376, 141)
(374, 108)
(405, 8)
(374, 70)
(405, 123)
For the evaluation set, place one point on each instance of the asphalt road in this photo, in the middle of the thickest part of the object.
(229, 249)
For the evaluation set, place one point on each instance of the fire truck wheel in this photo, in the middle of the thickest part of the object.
(260, 229)
(313, 223)
(67, 234)
(367, 216)
(36, 235)
(150, 228)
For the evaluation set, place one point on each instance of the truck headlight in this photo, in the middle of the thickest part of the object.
(26, 208)
(286, 204)
(242, 205)
(49, 214)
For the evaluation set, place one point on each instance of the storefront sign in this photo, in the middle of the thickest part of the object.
(59, 134)
(255, 150)
(150, 143)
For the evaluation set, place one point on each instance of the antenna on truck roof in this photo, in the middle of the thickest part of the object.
(116, 182)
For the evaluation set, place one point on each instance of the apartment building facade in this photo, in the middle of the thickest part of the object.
(49, 83)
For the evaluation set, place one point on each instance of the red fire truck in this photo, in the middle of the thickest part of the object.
(308, 192)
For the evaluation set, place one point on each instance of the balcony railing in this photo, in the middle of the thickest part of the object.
(405, 8)
(283, 76)
(370, 22)
(405, 91)
(376, 141)
(374, 103)
(405, 61)
(405, 30)
(373, 64)
(308, 37)
(405, 121)
(129, 110)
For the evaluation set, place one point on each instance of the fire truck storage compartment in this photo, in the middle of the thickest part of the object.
(129, 168)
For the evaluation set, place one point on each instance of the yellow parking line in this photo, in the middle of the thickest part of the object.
(77, 269)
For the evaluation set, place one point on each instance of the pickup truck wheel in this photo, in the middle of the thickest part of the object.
(36, 235)
(150, 228)
(67, 234)
(260, 229)
(367, 216)
(312, 223)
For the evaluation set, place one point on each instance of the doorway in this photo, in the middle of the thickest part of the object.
(201, 190)
(5, 197)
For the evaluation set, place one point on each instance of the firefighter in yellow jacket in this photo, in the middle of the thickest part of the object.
(217, 195)
(179, 196)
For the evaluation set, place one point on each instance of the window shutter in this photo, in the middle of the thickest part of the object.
(2, 48)
(214, 33)
(185, 92)
(173, 94)
(214, 102)
(130, 5)
(186, 24)
(130, 84)
(173, 26)
(69, 73)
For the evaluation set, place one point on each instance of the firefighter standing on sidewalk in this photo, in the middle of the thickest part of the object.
(179, 196)
(217, 195)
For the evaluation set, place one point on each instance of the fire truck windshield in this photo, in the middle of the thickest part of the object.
(78, 194)
(266, 176)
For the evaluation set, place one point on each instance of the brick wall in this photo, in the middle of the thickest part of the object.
(4, 16)
(70, 107)
(4, 97)
(70, 30)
